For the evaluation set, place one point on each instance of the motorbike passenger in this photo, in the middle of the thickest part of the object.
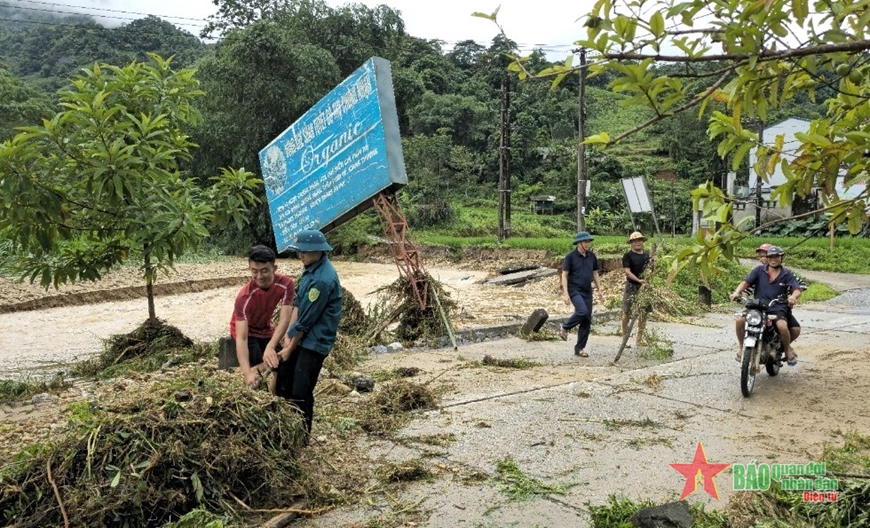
(770, 282)
(761, 253)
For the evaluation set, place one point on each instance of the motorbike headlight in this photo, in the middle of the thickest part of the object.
(753, 317)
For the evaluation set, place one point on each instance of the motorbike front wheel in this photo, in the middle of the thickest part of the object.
(747, 371)
(772, 367)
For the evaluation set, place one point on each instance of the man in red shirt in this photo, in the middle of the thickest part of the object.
(251, 324)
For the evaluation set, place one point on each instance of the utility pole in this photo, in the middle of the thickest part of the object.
(758, 178)
(581, 148)
(504, 165)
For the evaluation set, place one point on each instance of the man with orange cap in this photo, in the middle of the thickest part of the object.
(634, 263)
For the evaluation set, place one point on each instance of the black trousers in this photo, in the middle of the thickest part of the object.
(256, 348)
(296, 380)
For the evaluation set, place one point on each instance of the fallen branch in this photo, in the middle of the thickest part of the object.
(56, 494)
(848, 475)
(296, 511)
(239, 501)
(385, 323)
(280, 521)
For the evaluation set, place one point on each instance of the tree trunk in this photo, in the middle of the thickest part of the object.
(149, 284)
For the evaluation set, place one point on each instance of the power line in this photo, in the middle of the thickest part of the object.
(107, 10)
(550, 48)
(77, 26)
(91, 15)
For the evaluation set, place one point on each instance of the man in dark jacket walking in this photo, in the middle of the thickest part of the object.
(579, 271)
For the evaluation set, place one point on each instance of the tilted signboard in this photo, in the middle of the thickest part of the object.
(328, 165)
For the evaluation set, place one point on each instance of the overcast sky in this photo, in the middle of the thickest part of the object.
(550, 24)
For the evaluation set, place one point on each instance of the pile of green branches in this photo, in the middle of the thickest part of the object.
(392, 404)
(415, 323)
(144, 349)
(354, 319)
(148, 457)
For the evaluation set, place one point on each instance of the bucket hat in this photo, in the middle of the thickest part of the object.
(309, 240)
(637, 235)
(582, 236)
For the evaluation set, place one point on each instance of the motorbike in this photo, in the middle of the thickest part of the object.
(761, 342)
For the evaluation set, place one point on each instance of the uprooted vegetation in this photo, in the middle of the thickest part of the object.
(398, 301)
(191, 442)
(196, 439)
(849, 463)
(392, 404)
(148, 457)
(16, 390)
(150, 346)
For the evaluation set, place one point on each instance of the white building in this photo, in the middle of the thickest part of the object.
(788, 129)
(745, 196)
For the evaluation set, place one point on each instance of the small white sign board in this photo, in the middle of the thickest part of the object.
(636, 195)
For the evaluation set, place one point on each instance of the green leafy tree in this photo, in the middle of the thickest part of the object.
(259, 81)
(768, 53)
(99, 183)
(19, 104)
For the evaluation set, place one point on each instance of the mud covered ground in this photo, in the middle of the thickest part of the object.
(587, 425)
(198, 299)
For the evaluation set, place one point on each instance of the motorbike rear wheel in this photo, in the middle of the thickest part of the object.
(747, 372)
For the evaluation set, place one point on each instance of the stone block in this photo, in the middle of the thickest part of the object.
(227, 353)
(535, 321)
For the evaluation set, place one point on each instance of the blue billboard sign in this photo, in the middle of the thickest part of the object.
(328, 165)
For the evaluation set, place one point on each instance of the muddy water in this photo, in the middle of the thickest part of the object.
(36, 339)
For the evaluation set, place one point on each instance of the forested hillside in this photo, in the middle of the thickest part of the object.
(270, 66)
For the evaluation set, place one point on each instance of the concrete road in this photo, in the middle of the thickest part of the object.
(595, 429)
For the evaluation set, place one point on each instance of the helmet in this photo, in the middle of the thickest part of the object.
(582, 236)
(763, 247)
(637, 235)
(774, 251)
(309, 240)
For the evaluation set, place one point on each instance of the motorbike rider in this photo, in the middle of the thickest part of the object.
(770, 282)
(761, 255)
(794, 327)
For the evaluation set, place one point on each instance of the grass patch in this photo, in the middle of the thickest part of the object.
(519, 486)
(852, 457)
(619, 424)
(390, 407)
(637, 443)
(818, 291)
(658, 346)
(17, 390)
(850, 254)
(513, 363)
(407, 471)
(617, 512)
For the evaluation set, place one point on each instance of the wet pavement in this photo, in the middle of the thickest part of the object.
(595, 429)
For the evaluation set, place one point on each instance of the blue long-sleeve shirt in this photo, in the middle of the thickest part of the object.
(318, 304)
